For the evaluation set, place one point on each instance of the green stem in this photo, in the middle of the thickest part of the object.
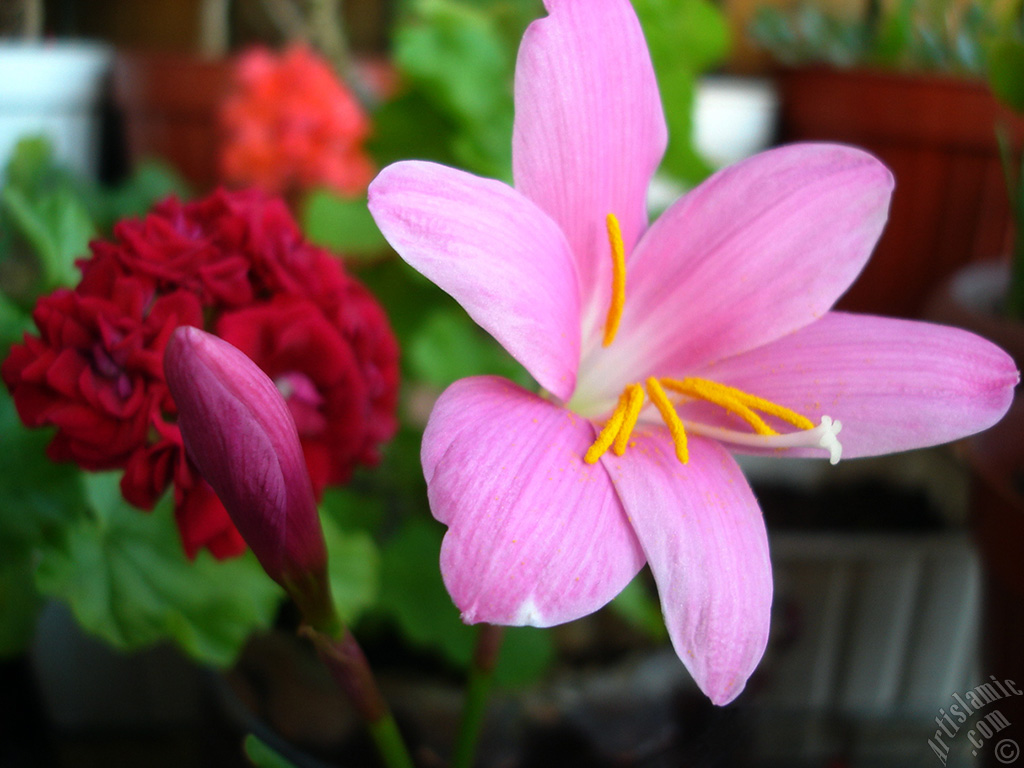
(351, 671)
(345, 660)
(478, 688)
(389, 742)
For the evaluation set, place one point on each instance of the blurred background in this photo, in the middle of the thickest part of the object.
(899, 581)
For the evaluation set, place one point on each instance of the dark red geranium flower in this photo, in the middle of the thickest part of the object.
(236, 265)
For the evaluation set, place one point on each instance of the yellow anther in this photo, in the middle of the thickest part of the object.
(635, 401)
(739, 402)
(670, 417)
(611, 325)
(714, 392)
(610, 430)
(773, 409)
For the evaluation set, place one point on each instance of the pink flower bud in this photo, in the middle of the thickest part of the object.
(239, 433)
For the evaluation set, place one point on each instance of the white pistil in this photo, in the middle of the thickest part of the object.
(822, 436)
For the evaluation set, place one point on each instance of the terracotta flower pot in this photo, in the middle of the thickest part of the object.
(938, 136)
(169, 102)
(996, 459)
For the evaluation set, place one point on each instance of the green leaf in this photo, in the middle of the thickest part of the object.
(353, 569)
(351, 510)
(686, 38)
(19, 604)
(38, 497)
(31, 163)
(150, 182)
(456, 57)
(56, 225)
(640, 608)
(456, 54)
(262, 756)
(413, 594)
(412, 126)
(14, 322)
(450, 346)
(126, 578)
(1005, 59)
(527, 653)
(342, 225)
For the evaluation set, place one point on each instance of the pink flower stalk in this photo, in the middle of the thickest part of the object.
(659, 349)
(240, 434)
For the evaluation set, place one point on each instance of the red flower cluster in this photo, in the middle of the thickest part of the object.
(290, 124)
(236, 265)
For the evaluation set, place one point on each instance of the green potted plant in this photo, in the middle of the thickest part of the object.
(904, 81)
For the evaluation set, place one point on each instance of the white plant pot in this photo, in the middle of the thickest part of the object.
(734, 118)
(53, 89)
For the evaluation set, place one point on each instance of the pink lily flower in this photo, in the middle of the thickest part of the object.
(240, 434)
(660, 350)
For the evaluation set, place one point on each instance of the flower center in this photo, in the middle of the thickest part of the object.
(617, 430)
(750, 408)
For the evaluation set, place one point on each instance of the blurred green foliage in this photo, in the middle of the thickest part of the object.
(262, 755)
(48, 216)
(686, 39)
(1006, 78)
(127, 580)
(457, 58)
(906, 35)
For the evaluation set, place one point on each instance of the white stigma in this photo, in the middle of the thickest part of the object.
(827, 432)
(822, 436)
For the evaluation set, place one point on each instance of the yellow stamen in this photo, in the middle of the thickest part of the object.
(670, 417)
(623, 420)
(610, 430)
(773, 409)
(739, 402)
(611, 326)
(702, 389)
(635, 393)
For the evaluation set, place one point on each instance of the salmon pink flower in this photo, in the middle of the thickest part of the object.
(660, 350)
(290, 124)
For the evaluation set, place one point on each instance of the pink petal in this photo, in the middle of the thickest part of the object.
(757, 251)
(535, 536)
(496, 253)
(705, 540)
(589, 131)
(894, 384)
